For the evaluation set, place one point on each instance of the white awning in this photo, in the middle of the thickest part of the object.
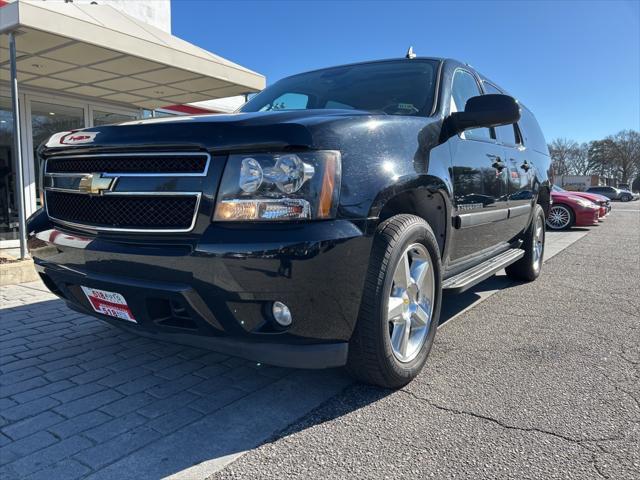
(97, 51)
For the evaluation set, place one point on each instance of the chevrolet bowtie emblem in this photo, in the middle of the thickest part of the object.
(95, 183)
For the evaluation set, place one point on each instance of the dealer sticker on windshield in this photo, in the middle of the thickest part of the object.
(109, 303)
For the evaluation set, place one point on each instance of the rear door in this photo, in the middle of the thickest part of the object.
(520, 178)
(479, 176)
(520, 174)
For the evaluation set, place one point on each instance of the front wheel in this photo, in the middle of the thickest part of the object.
(626, 198)
(529, 266)
(560, 217)
(400, 304)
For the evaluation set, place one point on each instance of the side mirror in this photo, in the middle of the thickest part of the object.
(491, 110)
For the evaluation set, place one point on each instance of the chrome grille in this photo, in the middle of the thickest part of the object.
(85, 191)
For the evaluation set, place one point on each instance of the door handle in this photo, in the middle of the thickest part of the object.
(525, 166)
(497, 162)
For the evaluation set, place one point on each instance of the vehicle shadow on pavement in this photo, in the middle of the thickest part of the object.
(80, 397)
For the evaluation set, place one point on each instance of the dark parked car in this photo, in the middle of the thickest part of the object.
(316, 228)
(612, 193)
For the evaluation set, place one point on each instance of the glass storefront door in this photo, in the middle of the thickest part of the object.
(43, 116)
(47, 119)
(101, 117)
(8, 210)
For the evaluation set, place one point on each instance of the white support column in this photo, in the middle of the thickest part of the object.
(17, 142)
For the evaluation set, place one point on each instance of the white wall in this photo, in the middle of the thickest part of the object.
(153, 12)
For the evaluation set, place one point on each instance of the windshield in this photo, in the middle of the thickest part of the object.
(556, 188)
(403, 87)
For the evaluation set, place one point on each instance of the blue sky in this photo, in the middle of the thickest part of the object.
(575, 64)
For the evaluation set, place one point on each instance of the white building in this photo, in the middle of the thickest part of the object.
(87, 63)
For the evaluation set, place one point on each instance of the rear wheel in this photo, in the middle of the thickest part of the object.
(560, 217)
(400, 304)
(529, 266)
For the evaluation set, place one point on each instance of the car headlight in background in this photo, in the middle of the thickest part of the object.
(583, 202)
(279, 186)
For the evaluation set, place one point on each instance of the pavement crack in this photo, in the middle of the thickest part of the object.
(628, 360)
(455, 411)
(618, 388)
(596, 467)
(579, 443)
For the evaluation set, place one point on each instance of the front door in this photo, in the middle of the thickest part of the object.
(479, 174)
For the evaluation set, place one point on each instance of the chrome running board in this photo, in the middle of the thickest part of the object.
(467, 279)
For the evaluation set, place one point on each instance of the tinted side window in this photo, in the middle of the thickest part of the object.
(531, 132)
(507, 134)
(463, 88)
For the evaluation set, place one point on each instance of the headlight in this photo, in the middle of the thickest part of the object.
(279, 186)
(582, 202)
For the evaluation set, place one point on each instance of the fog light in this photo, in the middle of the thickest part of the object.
(281, 314)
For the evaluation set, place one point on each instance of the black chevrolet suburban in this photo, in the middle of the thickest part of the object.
(317, 227)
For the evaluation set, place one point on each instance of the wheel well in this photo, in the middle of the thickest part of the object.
(544, 200)
(429, 206)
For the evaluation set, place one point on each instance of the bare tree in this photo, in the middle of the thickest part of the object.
(561, 151)
(625, 154)
(578, 162)
(601, 157)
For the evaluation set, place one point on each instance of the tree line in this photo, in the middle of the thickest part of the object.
(616, 156)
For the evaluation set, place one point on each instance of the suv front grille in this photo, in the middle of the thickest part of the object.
(161, 163)
(124, 212)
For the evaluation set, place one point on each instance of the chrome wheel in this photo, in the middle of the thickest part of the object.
(559, 217)
(538, 243)
(410, 304)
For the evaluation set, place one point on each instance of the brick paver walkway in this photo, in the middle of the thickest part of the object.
(81, 398)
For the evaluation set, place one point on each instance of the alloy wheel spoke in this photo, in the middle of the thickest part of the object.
(402, 275)
(405, 338)
(419, 270)
(421, 317)
(400, 336)
(394, 307)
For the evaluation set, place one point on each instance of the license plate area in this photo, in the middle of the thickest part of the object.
(108, 303)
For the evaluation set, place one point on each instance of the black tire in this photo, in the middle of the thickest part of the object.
(566, 208)
(528, 267)
(371, 358)
(626, 198)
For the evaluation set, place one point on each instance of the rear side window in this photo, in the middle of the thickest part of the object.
(531, 132)
(507, 134)
(463, 88)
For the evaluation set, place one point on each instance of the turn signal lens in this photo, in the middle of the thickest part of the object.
(241, 209)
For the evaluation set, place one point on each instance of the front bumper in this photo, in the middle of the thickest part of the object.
(587, 216)
(217, 291)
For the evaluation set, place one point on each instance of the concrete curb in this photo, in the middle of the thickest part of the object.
(17, 272)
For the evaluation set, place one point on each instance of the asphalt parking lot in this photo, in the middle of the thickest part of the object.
(537, 381)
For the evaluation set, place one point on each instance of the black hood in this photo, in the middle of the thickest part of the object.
(238, 131)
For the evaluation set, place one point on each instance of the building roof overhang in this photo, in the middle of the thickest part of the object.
(97, 51)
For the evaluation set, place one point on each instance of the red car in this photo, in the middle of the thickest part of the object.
(570, 210)
(601, 200)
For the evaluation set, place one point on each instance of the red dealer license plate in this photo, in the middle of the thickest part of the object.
(109, 303)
